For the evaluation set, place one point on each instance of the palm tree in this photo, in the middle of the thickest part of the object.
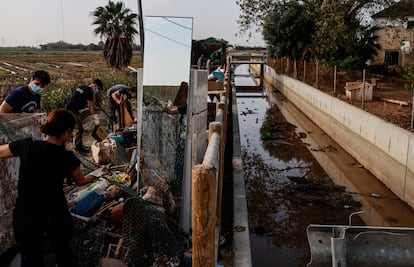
(116, 25)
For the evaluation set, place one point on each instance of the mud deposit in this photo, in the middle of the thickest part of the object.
(286, 187)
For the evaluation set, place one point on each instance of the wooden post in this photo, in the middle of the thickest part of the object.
(261, 75)
(217, 127)
(223, 105)
(204, 216)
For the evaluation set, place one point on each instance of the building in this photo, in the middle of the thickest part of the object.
(395, 34)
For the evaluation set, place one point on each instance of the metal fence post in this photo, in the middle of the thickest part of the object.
(363, 88)
(304, 71)
(334, 85)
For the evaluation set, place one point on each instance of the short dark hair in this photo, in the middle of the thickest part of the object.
(57, 122)
(133, 89)
(99, 83)
(42, 76)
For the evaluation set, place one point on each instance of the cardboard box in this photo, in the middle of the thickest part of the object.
(214, 86)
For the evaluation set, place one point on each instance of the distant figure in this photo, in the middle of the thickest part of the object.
(115, 95)
(200, 61)
(83, 98)
(26, 98)
(208, 64)
(181, 96)
(219, 73)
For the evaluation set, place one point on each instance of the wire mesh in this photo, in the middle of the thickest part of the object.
(177, 183)
(147, 235)
(88, 243)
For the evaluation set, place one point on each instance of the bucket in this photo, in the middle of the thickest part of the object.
(117, 213)
(89, 203)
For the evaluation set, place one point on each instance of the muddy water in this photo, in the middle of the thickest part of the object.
(288, 189)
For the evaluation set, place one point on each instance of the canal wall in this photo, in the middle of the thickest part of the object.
(384, 149)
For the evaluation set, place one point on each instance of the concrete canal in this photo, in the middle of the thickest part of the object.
(296, 175)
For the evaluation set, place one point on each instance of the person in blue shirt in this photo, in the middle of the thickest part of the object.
(82, 98)
(26, 98)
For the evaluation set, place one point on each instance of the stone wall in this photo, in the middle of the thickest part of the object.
(390, 39)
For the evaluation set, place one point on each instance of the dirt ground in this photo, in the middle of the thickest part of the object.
(392, 104)
(392, 101)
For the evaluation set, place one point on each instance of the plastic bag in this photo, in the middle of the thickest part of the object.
(104, 152)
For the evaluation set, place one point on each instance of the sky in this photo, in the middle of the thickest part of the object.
(32, 23)
(163, 35)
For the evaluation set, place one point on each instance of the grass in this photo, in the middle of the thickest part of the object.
(68, 70)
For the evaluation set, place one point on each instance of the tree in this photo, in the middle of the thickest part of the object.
(340, 32)
(116, 25)
(338, 24)
(287, 31)
(254, 12)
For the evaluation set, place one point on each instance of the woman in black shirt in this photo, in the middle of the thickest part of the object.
(41, 209)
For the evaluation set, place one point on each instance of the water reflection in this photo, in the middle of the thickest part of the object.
(286, 188)
(296, 175)
(243, 77)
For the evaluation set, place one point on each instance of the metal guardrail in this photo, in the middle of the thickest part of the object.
(341, 246)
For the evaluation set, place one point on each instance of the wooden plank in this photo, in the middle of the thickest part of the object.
(399, 102)
(356, 85)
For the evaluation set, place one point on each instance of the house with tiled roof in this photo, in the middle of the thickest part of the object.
(395, 34)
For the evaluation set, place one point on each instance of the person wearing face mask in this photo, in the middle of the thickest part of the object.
(41, 211)
(26, 98)
(83, 97)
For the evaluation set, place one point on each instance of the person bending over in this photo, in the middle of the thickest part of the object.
(41, 211)
(83, 97)
(116, 95)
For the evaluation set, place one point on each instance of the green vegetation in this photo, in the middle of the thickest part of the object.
(288, 31)
(318, 30)
(68, 69)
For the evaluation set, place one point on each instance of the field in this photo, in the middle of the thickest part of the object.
(68, 69)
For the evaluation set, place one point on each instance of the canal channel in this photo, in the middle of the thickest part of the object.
(296, 175)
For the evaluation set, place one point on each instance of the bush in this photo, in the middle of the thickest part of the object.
(351, 63)
(385, 70)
